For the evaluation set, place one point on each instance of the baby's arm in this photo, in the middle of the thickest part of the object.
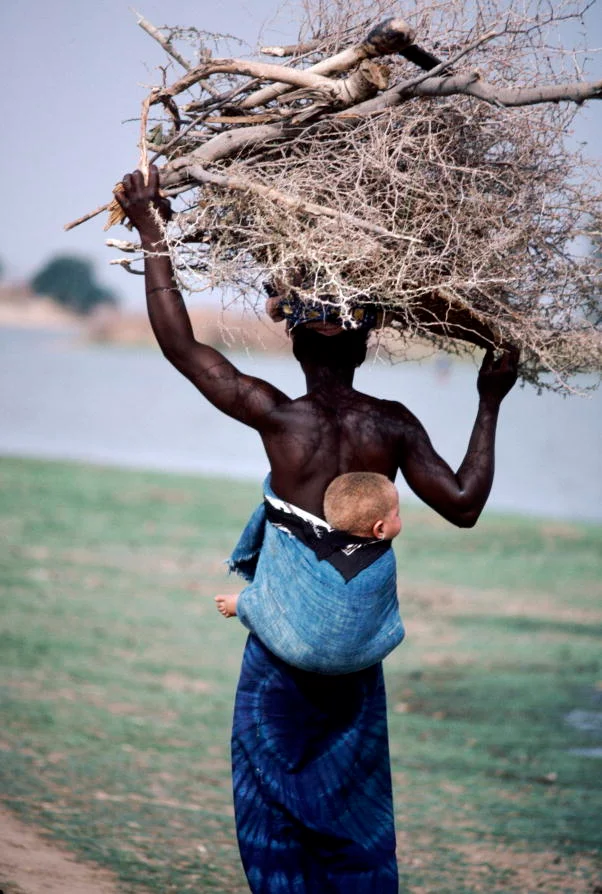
(226, 605)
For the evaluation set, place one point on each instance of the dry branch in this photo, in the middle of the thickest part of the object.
(472, 84)
(156, 34)
(86, 217)
(291, 201)
(295, 49)
(390, 36)
(344, 175)
(123, 245)
(266, 71)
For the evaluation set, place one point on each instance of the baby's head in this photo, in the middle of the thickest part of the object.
(364, 504)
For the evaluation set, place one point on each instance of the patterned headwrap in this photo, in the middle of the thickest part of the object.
(356, 316)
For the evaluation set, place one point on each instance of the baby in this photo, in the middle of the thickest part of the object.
(362, 504)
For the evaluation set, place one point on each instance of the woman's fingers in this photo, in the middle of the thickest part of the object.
(153, 179)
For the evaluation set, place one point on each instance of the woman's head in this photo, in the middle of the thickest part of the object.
(341, 350)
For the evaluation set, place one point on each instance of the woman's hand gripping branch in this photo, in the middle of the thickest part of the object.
(498, 376)
(144, 205)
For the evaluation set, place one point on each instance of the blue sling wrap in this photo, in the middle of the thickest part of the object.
(304, 610)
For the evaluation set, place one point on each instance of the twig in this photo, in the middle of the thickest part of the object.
(291, 201)
(143, 161)
(123, 245)
(167, 45)
(297, 49)
(126, 263)
(88, 216)
(156, 35)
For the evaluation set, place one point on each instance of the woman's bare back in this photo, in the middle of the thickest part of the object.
(311, 440)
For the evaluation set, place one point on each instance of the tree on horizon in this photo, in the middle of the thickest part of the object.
(71, 280)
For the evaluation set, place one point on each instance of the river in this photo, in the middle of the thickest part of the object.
(62, 398)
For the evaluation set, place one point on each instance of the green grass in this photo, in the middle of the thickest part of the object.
(119, 677)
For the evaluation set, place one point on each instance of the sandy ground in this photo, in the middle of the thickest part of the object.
(33, 864)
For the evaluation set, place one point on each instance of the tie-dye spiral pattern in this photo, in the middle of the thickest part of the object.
(312, 779)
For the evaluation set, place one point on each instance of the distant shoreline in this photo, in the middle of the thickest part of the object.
(230, 329)
(19, 307)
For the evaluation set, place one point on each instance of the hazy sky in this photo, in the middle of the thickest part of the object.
(71, 72)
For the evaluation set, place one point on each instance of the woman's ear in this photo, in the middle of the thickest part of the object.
(272, 307)
(378, 529)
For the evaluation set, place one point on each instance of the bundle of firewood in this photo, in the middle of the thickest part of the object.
(419, 164)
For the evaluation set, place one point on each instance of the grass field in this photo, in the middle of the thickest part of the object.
(119, 677)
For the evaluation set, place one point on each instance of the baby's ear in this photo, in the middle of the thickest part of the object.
(378, 529)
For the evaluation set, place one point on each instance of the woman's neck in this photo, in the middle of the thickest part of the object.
(324, 377)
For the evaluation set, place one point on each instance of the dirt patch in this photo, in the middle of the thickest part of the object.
(33, 864)
(176, 682)
(452, 601)
(531, 871)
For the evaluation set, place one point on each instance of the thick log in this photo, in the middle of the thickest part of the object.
(577, 91)
(366, 81)
(390, 36)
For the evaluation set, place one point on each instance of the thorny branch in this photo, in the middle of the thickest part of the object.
(452, 198)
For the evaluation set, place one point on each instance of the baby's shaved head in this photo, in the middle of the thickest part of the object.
(355, 501)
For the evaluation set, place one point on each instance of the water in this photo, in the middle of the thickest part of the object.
(63, 399)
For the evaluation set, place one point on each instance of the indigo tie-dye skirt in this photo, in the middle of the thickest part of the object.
(312, 779)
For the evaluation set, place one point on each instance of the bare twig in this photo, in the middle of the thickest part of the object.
(292, 201)
(85, 217)
(295, 49)
(123, 245)
(156, 35)
(127, 265)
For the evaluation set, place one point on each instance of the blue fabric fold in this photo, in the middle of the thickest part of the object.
(304, 611)
(245, 555)
(312, 779)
